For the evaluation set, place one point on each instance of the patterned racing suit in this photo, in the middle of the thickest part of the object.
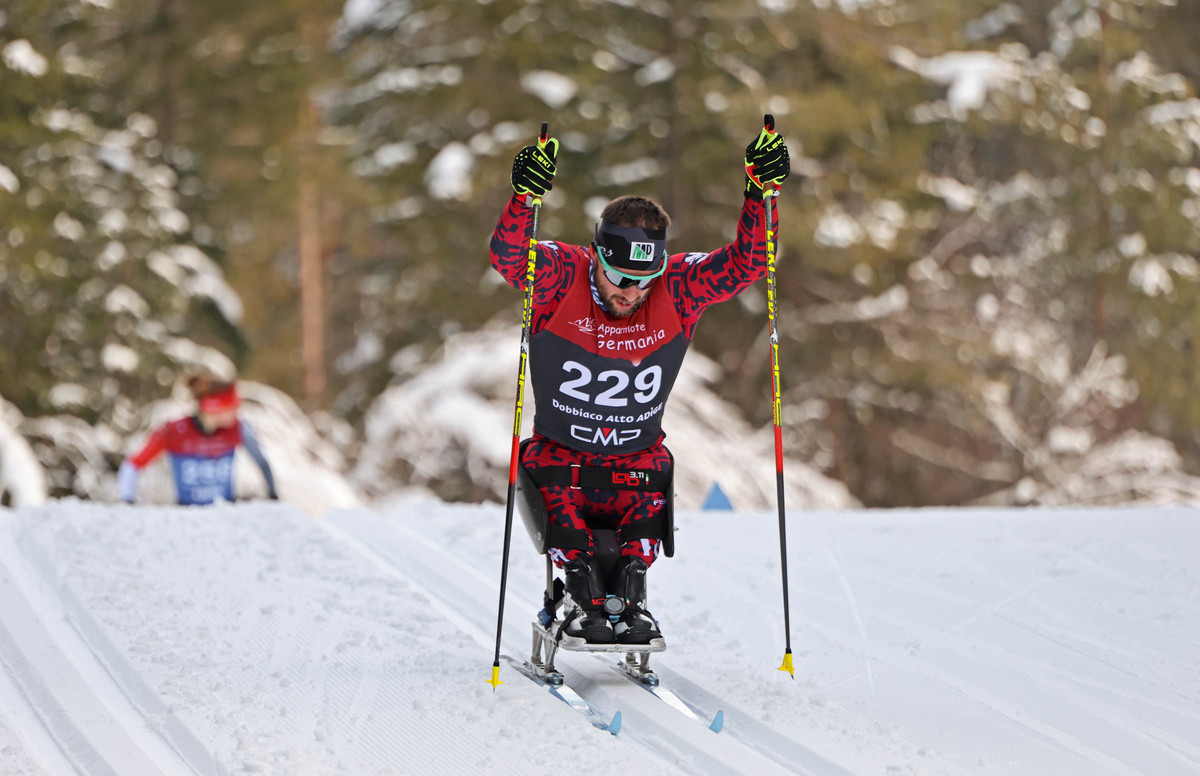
(201, 461)
(565, 300)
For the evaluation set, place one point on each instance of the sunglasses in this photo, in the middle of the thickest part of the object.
(624, 280)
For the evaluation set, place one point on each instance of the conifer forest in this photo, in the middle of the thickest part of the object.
(988, 260)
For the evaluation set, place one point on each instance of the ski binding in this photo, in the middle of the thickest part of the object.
(548, 639)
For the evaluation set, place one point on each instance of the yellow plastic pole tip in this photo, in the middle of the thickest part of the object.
(495, 680)
(787, 665)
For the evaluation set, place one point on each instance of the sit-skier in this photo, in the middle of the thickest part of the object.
(611, 323)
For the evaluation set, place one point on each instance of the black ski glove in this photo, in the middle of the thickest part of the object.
(766, 163)
(533, 168)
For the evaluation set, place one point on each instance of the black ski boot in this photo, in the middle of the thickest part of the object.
(635, 625)
(588, 620)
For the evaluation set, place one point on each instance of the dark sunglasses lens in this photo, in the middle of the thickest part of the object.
(619, 280)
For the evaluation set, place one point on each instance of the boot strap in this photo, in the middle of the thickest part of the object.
(566, 538)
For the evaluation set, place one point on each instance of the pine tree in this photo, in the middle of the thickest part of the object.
(106, 297)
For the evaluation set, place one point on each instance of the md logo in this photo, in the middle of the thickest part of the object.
(604, 436)
(641, 251)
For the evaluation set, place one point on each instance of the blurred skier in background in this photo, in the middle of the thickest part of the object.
(611, 323)
(200, 448)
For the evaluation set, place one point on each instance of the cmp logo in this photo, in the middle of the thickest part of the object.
(585, 325)
(604, 436)
(641, 251)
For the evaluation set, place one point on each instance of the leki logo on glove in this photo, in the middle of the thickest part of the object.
(641, 251)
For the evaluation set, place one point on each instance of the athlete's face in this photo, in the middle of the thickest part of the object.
(218, 420)
(618, 302)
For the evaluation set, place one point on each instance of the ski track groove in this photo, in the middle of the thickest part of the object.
(1099, 568)
(35, 738)
(1075, 601)
(300, 704)
(1005, 701)
(646, 720)
(1071, 611)
(1001, 698)
(848, 589)
(92, 703)
(1061, 635)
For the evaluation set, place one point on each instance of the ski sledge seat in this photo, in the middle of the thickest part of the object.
(548, 637)
(537, 521)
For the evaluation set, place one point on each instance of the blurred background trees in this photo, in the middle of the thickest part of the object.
(988, 258)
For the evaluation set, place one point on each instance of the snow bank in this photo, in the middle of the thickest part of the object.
(21, 480)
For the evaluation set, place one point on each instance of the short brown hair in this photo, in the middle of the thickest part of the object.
(637, 212)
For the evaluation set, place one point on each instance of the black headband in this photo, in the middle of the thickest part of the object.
(631, 248)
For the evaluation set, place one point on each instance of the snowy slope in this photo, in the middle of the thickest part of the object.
(252, 638)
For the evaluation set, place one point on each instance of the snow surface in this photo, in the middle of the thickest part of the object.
(252, 638)
(21, 480)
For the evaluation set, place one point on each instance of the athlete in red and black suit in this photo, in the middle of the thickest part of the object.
(200, 448)
(611, 323)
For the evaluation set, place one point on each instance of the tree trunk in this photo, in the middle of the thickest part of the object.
(312, 294)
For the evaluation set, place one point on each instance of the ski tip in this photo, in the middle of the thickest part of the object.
(718, 721)
(787, 664)
(614, 727)
(495, 680)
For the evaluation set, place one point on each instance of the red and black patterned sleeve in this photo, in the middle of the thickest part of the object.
(697, 280)
(556, 263)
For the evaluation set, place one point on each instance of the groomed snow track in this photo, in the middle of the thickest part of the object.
(744, 746)
(77, 705)
(96, 714)
(252, 639)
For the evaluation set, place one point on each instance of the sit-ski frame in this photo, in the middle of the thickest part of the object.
(547, 640)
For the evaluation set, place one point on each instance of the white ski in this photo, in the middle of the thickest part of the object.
(560, 690)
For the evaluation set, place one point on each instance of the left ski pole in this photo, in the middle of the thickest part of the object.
(776, 413)
(526, 325)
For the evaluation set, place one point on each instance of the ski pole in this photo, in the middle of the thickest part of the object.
(526, 324)
(772, 312)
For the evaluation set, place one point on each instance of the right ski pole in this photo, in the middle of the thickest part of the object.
(526, 324)
(776, 414)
